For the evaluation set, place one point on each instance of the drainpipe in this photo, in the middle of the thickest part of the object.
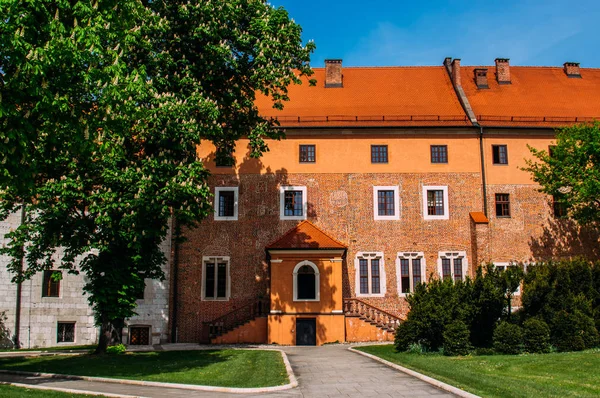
(484, 187)
(175, 269)
(17, 339)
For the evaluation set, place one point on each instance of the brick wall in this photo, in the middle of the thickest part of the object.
(341, 205)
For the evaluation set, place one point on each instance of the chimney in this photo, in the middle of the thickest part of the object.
(481, 79)
(572, 69)
(333, 73)
(502, 71)
(456, 72)
(448, 64)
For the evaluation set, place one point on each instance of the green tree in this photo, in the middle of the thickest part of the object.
(102, 106)
(571, 173)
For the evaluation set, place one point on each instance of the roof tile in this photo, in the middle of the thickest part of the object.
(384, 96)
(306, 236)
(536, 97)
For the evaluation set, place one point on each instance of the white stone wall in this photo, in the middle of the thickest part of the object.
(40, 315)
(8, 290)
(153, 310)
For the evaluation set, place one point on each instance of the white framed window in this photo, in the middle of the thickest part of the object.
(370, 274)
(226, 203)
(435, 202)
(410, 268)
(292, 203)
(216, 283)
(502, 267)
(306, 282)
(386, 203)
(453, 265)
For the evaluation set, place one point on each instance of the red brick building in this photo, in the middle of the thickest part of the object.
(403, 174)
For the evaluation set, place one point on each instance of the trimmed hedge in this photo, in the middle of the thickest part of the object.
(536, 336)
(508, 338)
(457, 339)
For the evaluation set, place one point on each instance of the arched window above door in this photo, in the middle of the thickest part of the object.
(306, 282)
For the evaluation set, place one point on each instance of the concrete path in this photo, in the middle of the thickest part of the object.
(329, 371)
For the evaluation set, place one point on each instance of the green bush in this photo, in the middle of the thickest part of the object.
(5, 341)
(508, 338)
(405, 336)
(415, 348)
(536, 336)
(479, 303)
(116, 349)
(574, 332)
(457, 339)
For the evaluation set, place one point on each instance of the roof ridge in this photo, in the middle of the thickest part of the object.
(386, 67)
(297, 227)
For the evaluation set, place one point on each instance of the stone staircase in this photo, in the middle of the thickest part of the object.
(383, 320)
(235, 319)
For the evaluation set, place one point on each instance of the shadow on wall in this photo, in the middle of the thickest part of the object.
(258, 225)
(563, 238)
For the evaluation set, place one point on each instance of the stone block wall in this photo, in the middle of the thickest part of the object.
(40, 315)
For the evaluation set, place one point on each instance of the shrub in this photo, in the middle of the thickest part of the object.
(457, 339)
(116, 349)
(574, 331)
(488, 303)
(405, 336)
(5, 341)
(415, 348)
(432, 307)
(508, 338)
(479, 303)
(536, 336)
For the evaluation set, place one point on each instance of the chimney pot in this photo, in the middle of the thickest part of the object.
(448, 62)
(481, 79)
(572, 69)
(456, 72)
(333, 73)
(503, 70)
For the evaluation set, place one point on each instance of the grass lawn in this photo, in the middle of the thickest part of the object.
(225, 368)
(575, 374)
(22, 392)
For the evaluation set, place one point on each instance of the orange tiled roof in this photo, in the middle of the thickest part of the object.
(536, 97)
(479, 217)
(384, 96)
(306, 236)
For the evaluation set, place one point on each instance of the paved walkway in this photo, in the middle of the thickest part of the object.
(329, 371)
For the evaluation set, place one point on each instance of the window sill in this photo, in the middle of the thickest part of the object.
(433, 218)
(215, 299)
(387, 218)
(371, 295)
(293, 218)
(217, 218)
(503, 216)
(306, 300)
(500, 164)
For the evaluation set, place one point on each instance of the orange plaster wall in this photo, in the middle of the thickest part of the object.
(358, 330)
(517, 153)
(282, 328)
(254, 332)
(351, 153)
(282, 285)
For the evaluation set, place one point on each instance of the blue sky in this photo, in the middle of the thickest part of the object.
(374, 32)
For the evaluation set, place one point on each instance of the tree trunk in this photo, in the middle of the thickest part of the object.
(105, 332)
(111, 333)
